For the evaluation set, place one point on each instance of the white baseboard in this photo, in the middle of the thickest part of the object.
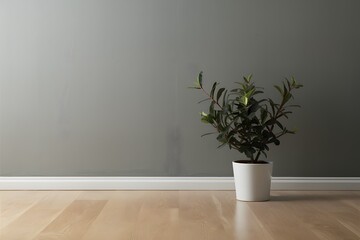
(171, 183)
(316, 183)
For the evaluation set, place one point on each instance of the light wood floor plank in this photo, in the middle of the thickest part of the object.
(118, 218)
(36, 218)
(157, 223)
(340, 211)
(279, 222)
(217, 215)
(178, 215)
(316, 216)
(247, 225)
(74, 221)
(344, 207)
(14, 204)
(158, 217)
(195, 217)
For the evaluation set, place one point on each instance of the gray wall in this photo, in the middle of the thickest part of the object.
(96, 87)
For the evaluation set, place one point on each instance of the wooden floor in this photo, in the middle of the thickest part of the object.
(185, 215)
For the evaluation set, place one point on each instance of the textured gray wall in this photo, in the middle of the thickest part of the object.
(98, 87)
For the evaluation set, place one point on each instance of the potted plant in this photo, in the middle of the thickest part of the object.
(249, 125)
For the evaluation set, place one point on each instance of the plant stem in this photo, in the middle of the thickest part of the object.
(279, 109)
(257, 156)
(280, 134)
(216, 102)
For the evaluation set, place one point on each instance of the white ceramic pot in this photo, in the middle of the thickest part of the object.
(252, 181)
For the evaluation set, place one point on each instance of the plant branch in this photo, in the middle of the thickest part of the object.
(257, 156)
(242, 122)
(212, 99)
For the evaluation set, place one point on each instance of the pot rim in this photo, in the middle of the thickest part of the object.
(242, 163)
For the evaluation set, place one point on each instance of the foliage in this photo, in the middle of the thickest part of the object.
(244, 122)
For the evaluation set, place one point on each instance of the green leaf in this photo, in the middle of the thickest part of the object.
(253, 108)
(279, 125)
(224, 98)
(220, 91)
(249, 93)
(263, 114)
(200, 79)
(204, 120)
(287, 97)
(299, 86)
(272, 105)
(197, 84)
(204, 117)
(203, 114)
(249, 152)
(222, 145)
(221, 138)
(285, 90)
(257, 92)
(213, 90)
(288, 83)
(207, 119)
(244, 100)
(293, 81)
(291, 131)
(248, 78)
(206, 134)
(279, 89)
(206, 99)
(211, 108)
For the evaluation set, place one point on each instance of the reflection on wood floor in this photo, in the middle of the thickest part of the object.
(185, 215)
